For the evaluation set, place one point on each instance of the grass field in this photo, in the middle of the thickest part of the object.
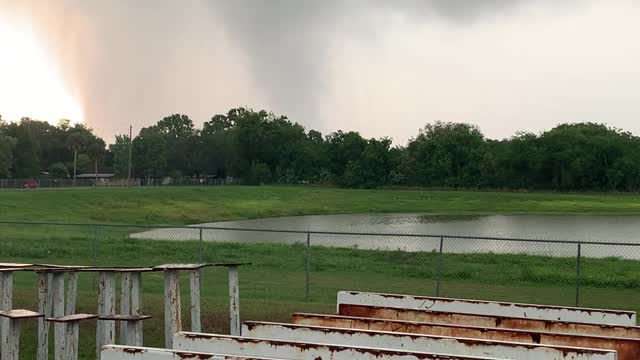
(188, 205)
(274, 286)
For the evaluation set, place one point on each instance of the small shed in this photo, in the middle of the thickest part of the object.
(101, 178)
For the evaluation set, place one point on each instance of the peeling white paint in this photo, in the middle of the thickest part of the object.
(414, 342)
(299, 350)
(529, 311)
(116, 352)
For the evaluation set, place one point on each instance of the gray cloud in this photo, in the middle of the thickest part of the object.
(286, 44)
(288, 41)
(134, 62)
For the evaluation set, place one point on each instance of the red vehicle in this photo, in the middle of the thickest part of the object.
(31, 185)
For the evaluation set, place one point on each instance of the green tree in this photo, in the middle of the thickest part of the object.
(376, 162)
(49, 140)
(58, 171)
(120, 155)
(83, 163)
(76, 142)
(251, 141)
(216, 146)
(150, 150)
(95, 151)
(354, 175)
(7, 145)
(259, 174)
(343, 148)
(518, 162)
(181, 138)
(448, 154)
(581, 156)
(27, 163)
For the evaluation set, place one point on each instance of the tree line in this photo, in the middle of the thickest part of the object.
(259, 147)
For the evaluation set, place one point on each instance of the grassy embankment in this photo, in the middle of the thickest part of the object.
(187, 205)
(274, 286)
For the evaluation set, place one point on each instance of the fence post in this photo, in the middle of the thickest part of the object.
(95, 246)
(578, 274)
(201, 247)
(439, 266)
(306, 288)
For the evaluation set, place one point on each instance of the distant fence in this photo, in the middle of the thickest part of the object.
(113, 182)
(307, 265)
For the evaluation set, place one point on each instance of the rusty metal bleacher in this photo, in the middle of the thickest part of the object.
(367, 326)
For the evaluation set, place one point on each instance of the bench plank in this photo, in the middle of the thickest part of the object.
(545, 312)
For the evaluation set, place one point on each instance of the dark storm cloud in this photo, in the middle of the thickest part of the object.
(135, 61)
(287, 42)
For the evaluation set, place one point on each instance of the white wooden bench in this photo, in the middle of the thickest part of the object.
(413, 342)
(121, 352)
(627, 348)
(130, 315)
(10, 344)
(300, 350)
(504, 322)
(68, 339)
(529, 311)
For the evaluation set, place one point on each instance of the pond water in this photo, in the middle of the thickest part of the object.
(614, 229)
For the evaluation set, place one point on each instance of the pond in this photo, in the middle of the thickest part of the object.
(610, 229)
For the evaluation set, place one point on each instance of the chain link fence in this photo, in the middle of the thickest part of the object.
(302, 271)
(109, 181)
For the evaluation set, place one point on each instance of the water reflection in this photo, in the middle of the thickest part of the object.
(434, 219)
(620, 229)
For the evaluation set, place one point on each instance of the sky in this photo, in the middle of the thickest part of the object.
(380, 67)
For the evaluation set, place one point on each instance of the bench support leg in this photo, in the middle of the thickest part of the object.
(136, 306)
(125, 303)
(71, 345)
(58, 311)
(234, 302)
(133, 338)
(172, 320)
(44, 307)
(11, 340)
(194, 278)
(72, 293)
(6, 303)
(105, 330)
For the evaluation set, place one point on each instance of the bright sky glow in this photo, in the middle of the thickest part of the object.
(31, 83)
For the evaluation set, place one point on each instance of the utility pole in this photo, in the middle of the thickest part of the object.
(75, 161)
(130, 146)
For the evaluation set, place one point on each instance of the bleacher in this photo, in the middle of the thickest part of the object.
(366, 326)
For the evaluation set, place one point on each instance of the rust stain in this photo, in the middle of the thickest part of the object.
(490, 321)
(197, 336)
(471, 342)
(330, 348)
(499, 303)
(627, 348)
(183, 355)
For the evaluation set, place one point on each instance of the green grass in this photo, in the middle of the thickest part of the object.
(188, 205)
(274, 286)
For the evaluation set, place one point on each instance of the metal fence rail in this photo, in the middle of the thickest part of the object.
(112, 182)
